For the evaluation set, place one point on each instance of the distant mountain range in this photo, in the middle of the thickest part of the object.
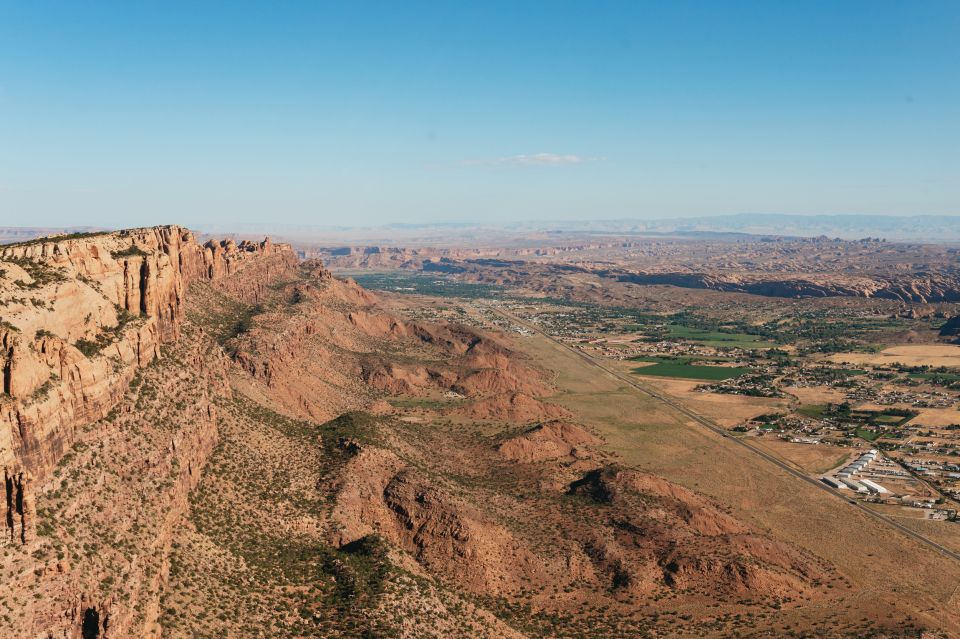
(925, 228)
(917, 228)
(922, 228)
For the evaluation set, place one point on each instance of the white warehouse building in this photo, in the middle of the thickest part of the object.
(873, 487)
(855, 485)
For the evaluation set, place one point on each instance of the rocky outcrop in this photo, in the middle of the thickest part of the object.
(553, 440)
(512, 407)
(19, 506)
(917, 289)
(659, 532)
(904, 287)
(435, 258)
(377, 493)
(80, 314)
(798, 269)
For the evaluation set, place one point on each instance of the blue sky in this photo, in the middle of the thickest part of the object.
(364, 112)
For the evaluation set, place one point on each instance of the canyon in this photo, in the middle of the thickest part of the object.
(221, 439)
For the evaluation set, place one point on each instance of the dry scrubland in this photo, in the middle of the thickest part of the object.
(726, 410)
(814, 460)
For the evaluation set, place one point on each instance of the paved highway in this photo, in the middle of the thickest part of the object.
(710, 425)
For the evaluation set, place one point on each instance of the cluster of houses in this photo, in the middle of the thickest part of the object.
(918, 399)
(621, 350)
(755, 385)
(946, 475)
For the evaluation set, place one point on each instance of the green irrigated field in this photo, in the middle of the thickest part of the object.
(682, 368)
(817, 411)
(943, 377)
(850, 372)
(437, 285)
(718, 338)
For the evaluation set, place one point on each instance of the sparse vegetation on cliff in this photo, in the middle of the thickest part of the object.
(132, 251)
(39, 271)
(107, 335)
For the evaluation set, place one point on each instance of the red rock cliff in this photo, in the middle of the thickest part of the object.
(78, 316)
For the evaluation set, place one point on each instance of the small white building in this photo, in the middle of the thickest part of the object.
(833, 483)
(873, 487)
(855, 485)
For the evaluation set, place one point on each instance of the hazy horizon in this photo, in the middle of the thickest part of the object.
(919, 228)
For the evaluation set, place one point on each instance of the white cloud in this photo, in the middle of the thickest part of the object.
(535, 159)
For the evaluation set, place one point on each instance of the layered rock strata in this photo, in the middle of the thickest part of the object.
(78, 316)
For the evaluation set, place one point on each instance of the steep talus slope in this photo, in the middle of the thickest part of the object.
(258, 558)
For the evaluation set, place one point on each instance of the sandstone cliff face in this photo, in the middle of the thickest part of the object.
(108, 515)
(78, 316)
(100, 448)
